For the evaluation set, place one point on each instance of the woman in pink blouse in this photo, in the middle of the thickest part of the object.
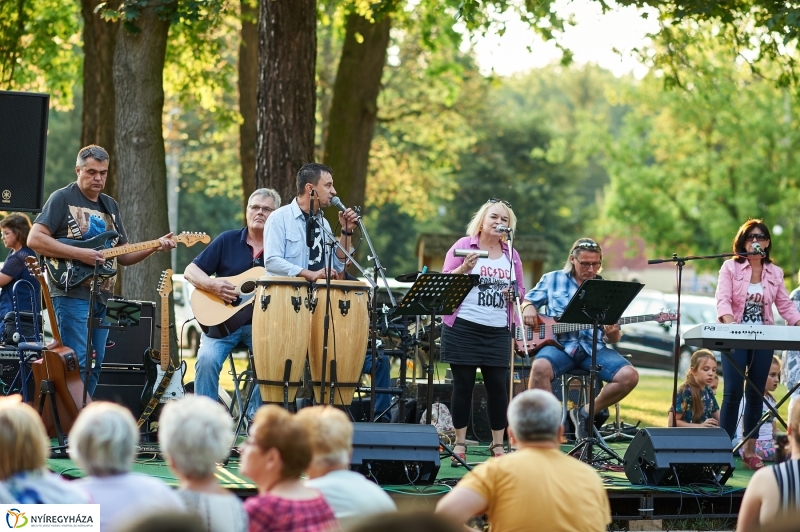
(748, 285)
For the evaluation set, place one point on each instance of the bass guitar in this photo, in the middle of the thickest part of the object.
(58, 365)
(210, 310)
(547, 331)
(164, 381)
(68, 273)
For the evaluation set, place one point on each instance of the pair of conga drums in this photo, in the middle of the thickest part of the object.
(289, 321)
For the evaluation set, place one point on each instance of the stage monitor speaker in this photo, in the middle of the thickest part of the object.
(130, 343)
(121, 385)
(396, 454)
(679, 456)
(9, 367)
(23, 146)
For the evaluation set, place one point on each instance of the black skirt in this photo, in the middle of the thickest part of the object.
(472, 344)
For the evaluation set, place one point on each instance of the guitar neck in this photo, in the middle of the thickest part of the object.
(560, 328)
(130, 248)
(165, 332)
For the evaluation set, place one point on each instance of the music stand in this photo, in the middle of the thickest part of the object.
(442, 294)
(597, 302)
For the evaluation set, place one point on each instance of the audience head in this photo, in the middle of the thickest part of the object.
(103, 439)
(701, 373)
(165, 521)
(774, 376)
(23, 438)
(715, 384)
(405, 521)
(278, 446)
(17, 226)
(534, 415)
(194, 433)
(331, 436)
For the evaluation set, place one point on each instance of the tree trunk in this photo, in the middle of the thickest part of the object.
(248, 90)
(287, 47)
(141, 166)
(355, 106)
(99, 41)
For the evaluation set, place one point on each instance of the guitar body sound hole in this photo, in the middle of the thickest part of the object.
(247, 287)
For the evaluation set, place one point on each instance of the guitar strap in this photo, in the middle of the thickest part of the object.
(162, 387)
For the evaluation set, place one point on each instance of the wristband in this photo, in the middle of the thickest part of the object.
(347, 233)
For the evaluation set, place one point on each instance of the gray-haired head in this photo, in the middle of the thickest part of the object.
(266, 193)
(534, 415)
(91, 151)
(194, 433)
(103, 439)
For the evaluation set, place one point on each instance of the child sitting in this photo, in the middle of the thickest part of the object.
(766, 435)
(696, 405)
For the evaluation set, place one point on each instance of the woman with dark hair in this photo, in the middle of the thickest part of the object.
(748, 285)
(15, 228)
(477, 333)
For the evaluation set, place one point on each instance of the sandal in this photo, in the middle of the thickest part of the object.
(753, 462)
(495, 446)
(462, 456)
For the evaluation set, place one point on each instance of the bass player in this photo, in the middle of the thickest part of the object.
(555, 289)
(231, 253)
(80, 211)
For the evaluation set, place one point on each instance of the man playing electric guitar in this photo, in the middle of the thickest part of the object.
(80, 211)
(555, 289)
(231, 253)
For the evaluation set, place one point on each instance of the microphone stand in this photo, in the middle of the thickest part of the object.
(511, 307)
(680, 262)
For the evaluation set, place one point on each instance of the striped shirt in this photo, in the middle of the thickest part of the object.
(787, 474)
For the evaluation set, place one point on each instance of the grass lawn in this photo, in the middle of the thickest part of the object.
(647, 403)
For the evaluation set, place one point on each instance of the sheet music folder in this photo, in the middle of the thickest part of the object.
(438, 294)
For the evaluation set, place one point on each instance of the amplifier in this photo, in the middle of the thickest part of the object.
(130, 343)
(9, 367)
(122, 385)
(396, 453)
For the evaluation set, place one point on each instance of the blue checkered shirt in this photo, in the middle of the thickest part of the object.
(555, 290)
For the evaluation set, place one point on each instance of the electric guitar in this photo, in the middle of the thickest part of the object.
(210, 310)
(58, 365)
(547, 331)
(164, 381)
(68, 273)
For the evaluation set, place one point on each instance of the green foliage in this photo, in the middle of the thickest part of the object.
(202, 12)
(39, 47)
(689, 166)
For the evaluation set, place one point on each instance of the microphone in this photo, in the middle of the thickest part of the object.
(503, 229)
(336, 202)
(757, 249)
(310, 224)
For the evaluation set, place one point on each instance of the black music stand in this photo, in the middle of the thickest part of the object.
(436, 294)
(597, 302)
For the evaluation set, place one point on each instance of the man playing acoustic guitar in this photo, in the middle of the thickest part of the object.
(80, 211)
(231, 253)
(555, 289)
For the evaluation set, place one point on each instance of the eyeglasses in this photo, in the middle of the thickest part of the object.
(760, 237)
(496, 200)
(256, 208)
(588, 265)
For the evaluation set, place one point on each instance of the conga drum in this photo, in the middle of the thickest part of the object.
(348, 332)
(281, 328)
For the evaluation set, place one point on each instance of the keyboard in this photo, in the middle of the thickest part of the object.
(721, 336)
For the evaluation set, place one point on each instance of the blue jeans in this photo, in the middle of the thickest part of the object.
(382, 400)
(211, 356)
(72, 315)
(759, 362)
(610, 361)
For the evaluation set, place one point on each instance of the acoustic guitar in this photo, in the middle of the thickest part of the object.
(547, 331)
(210, 310)
(59, 365)
(68, 273)
(158, 364)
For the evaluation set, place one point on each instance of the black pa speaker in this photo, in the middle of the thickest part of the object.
(396, 454)
(130, 343)
(121, 385)
(23, 146)
(679, 456)
(9, 373)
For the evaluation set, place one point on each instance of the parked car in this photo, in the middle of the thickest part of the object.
(188, 328)
(650, 343)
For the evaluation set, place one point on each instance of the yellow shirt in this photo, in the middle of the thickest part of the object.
(540, 489)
